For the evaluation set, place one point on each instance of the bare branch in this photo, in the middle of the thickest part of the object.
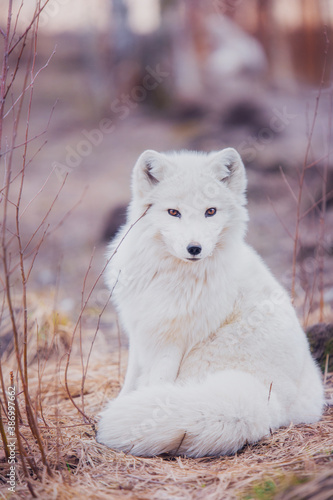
(84, 307)
(31, 84)
(304, 168)
(288, 184)
(37, 13)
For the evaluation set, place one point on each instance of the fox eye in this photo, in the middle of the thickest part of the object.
(210, 212)
(173, 212)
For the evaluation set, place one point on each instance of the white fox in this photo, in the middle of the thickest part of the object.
(217, 357)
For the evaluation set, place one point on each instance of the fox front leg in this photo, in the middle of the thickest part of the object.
(158, 365)
(132, 373)
(151, 366)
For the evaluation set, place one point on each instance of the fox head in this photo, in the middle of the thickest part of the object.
(193, 200)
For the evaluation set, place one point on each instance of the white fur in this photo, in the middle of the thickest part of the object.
(217, 356)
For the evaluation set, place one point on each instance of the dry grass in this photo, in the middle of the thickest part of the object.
(82, 468)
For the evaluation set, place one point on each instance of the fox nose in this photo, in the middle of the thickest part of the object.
(194, 249)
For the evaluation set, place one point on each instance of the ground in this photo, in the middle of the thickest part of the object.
(280, 466)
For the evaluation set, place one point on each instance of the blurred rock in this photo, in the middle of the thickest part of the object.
(321, 343)
(235, 52)
(114, 221)
(245, 113)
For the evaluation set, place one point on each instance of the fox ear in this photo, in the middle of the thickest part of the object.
(228, 166)
(148, 171)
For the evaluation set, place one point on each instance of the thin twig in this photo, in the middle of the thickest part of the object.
(83, 309)
(304, 168)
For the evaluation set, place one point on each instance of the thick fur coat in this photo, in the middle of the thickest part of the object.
(217, 357)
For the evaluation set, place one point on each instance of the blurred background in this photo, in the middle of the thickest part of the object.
(128, 75)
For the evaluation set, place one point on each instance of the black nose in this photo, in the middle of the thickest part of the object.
(194, 249)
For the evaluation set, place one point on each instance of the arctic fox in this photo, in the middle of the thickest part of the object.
(217, 357)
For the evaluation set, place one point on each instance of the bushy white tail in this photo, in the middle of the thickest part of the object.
(215, 417)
